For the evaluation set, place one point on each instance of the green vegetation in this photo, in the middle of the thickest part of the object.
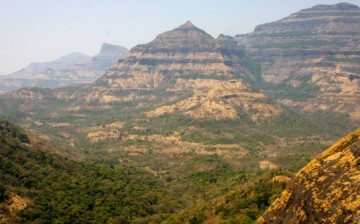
(343, 33)
(65, 191)
(297, 44)
(285, 90)
(201, 76)
(325, 14)
(3, 193)
(242, 206)
(284, 34)
(349, 60)
(355, 70)
(254, 68)
(108, 162)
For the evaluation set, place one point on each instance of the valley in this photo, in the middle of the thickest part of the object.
(187, 128)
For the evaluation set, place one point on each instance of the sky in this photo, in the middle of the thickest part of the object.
(43, 30)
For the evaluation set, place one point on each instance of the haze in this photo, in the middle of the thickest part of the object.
(43, 30)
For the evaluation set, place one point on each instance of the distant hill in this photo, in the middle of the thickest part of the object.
(326, 190)
(72, 69)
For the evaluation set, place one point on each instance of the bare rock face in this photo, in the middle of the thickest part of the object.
(326, 190)
(13, 205)
(311, 59)
(72, 69)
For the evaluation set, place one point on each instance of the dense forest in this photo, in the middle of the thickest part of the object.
(61, 190)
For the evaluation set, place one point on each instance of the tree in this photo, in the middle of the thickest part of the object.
(3, 193)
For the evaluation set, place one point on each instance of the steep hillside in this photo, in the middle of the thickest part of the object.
(72, 69)
(325, 191)
(310, 59)
(39, 185)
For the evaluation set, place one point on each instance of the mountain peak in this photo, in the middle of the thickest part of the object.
(188, 25)
(107, 48)
(185, 36)
(106, 45)
(183, 51)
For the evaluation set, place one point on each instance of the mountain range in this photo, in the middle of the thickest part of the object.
(198, 126)
(72, 69)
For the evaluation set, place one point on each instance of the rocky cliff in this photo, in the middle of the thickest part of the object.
(326, 190)
(72, 69)
(311, 59)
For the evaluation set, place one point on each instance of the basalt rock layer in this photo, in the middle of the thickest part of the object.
(185, 52)
(311, 59)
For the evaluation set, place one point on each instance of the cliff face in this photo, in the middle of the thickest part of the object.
(72, 69)
(327, 190)
(311, 59)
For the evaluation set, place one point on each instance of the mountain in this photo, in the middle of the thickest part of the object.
(60, 72)
(184, 51)
(185, 91)
(311, 59)
(326, 190)
(186, 59)
(183, 129)
(72, 69)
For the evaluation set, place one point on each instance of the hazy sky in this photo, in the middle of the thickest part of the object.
(43, 30)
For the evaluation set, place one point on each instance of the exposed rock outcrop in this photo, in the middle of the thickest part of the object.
(326, 190)
(219, 100)
(9, 209)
